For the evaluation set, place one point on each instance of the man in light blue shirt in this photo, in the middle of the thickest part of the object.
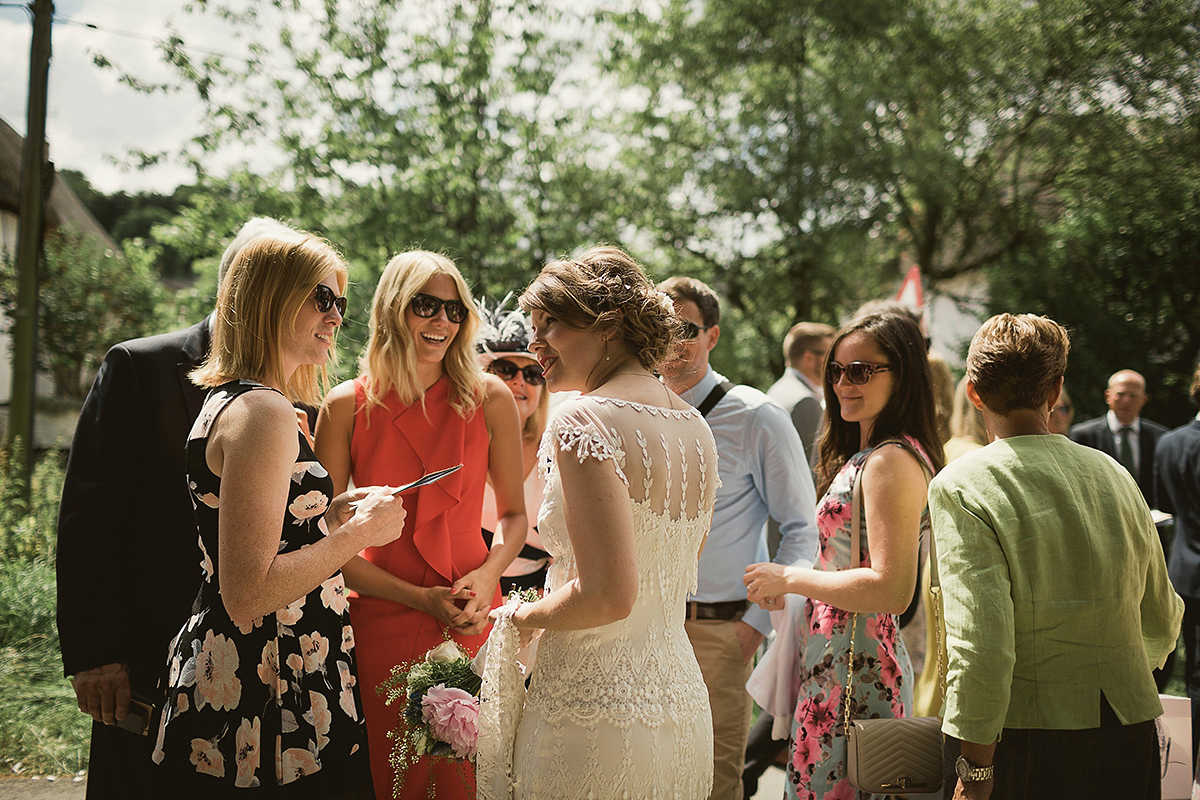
(763, 472)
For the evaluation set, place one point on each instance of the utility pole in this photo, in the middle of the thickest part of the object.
(31, 225)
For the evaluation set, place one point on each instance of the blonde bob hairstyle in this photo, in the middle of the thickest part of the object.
(390, 362)
(263, 291)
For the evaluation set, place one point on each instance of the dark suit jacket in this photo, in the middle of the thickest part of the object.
(1095, 433)
(128, 559)
(1177, 471)
(804, 406)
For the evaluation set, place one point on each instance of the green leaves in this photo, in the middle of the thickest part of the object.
(89, 299)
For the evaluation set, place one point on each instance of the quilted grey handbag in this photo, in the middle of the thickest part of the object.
(887, 756)
(890, 756)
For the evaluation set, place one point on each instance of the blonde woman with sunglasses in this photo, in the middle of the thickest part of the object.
(421, 403)
(261, 693)
(880, 433)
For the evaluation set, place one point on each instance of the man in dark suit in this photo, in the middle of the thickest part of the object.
(128, 559)
(1177, 470)
(1122, 433)
(1131, 440)
(799, 390)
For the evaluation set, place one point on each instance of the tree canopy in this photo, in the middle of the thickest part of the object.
(793, 154)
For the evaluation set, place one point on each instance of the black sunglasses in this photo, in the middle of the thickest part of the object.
(857, 372)
(326, 300)
(426, 305)
(691, 330)
(507, 370)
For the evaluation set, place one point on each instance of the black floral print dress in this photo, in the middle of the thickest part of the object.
(274, 701)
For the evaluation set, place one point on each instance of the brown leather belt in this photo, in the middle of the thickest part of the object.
(722, 611)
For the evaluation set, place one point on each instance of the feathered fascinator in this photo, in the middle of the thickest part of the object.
(503, 331)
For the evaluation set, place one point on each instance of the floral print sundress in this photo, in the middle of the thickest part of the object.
(276, 700)
(883, 677)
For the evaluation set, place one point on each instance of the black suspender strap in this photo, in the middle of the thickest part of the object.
(714, 397)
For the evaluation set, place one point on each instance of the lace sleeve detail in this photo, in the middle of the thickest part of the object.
(576, 431)
(501, 701)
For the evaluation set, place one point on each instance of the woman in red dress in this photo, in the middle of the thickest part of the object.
(422, 403)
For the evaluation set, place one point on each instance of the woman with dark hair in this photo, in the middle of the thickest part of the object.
(881, 436)
(617, 706)
(1057, 601)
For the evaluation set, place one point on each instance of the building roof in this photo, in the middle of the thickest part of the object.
(63, 209)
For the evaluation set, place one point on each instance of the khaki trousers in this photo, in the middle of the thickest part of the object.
(725, 674)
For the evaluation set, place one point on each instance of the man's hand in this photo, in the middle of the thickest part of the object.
(103, 692)
(749, 639)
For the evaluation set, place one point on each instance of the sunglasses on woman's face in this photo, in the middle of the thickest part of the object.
(326, 300)
(426, 305)
(507, 370)
(857, 372)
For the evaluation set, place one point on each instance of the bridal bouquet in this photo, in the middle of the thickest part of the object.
(440, 693)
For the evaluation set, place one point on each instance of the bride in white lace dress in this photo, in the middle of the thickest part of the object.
(616, 707)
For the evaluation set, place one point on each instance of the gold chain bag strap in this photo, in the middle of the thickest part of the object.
(884, 756)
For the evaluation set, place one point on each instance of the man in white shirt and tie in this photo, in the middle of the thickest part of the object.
(1122, 432)
(1124, 435)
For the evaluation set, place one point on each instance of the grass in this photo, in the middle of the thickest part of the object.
(41, 728)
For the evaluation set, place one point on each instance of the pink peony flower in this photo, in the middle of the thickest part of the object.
(291, 614)
(207, 758)
(453, 716)
(333, 595)
(217, 683)
(315, 649)
(268, 667)
(346, 696)
(311, 504)
(319, 717)
(247, 755)
(206, 565)
(842, 790)
(296, 763)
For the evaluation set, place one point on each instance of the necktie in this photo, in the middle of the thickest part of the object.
(1125, 450)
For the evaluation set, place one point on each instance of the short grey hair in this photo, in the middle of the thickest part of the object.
(254, 228)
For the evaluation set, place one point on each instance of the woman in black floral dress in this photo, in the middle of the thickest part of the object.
(261, 691)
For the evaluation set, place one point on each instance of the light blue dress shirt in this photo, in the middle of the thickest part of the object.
(763, 472)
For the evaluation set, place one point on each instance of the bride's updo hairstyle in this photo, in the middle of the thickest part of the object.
(605, 287)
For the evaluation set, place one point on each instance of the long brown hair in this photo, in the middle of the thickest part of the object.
(908, 412)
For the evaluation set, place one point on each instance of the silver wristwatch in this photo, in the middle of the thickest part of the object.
(969, 773)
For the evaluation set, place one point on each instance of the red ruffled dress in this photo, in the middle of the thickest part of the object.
(394, 444)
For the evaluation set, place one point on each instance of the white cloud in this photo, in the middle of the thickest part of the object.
(92, 118)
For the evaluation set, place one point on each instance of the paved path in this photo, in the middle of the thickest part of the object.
(18, 787)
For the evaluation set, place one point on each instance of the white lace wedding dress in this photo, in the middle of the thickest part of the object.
(618, 711)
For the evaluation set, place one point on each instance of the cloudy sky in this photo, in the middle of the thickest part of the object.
(93, 118)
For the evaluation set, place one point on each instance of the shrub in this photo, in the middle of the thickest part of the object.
(43, 729)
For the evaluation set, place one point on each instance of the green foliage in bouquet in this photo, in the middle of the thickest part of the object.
(440, 707)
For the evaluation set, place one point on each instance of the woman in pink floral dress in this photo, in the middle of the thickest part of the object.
(261, 692)
(880, 423)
